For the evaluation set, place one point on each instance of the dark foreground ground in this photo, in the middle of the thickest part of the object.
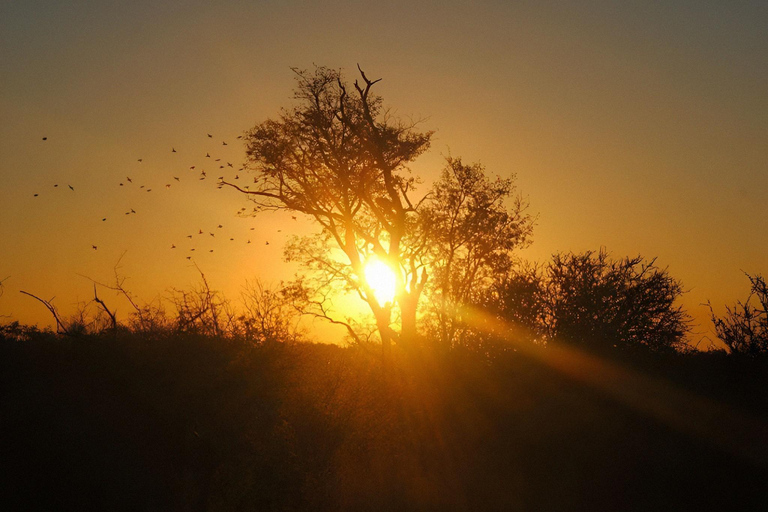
(189, 423)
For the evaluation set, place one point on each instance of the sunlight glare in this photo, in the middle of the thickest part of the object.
(381, 279)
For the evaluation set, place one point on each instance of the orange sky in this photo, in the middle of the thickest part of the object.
(642, 128)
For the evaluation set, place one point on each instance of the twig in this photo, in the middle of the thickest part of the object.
(2, 288)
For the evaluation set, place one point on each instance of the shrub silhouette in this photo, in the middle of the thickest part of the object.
(744, 328)
(593, 301)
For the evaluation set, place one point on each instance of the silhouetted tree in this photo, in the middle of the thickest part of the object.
(470, 227)
(593, 301)
(339, 157)
(744, 328)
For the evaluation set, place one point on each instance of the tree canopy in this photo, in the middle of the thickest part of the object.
(341, 158)
(472, 228)
(593, 301)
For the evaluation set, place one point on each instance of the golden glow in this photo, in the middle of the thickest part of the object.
(381, 279)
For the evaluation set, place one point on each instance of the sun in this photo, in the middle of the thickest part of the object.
(381, 279)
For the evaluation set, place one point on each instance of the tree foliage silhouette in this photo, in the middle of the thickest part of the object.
(470, 232)
(744, 327)
(595, 302)
(339, 157)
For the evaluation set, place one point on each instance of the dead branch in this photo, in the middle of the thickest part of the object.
(101, 303)
(2, 288)
(60, 327)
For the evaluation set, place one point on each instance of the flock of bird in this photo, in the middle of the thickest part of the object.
(223, 167)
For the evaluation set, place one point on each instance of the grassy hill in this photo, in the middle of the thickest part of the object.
(132, 422)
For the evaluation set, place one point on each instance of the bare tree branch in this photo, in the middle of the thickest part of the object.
(112, 317)
(60, 327)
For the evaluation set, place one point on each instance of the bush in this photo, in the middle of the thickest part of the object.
(590, 300)
(744, 328)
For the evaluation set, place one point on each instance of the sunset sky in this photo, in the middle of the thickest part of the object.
(638, 126)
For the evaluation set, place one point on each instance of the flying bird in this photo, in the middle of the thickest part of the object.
(37, 195)
(230, 165)
(56, 185)
(121, 184)
(149, 190)
(231, 239)
(219, 226)
(133, 211)
(129, 179)
(173, 246)
(293, 217)
(207, 155)
(141, 160)
(189, 236)
(168, 185)
(212, 234)
(173, 150)
(223, 143)
(200, 232)
(104, 219)
(71, 188)
(266, 243)
(192, 167)
(176, 178)
(189, 257)
(94, 247)
(45, 138)
(211, 250)
(210, 136)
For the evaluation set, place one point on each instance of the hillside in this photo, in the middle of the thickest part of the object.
(195, 423)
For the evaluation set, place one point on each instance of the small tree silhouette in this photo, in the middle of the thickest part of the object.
(470, 227)
(590, 300)
(744, 328)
